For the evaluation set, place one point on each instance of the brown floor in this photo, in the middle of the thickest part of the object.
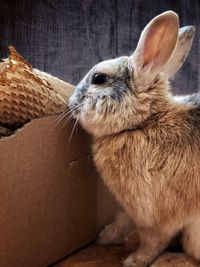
(100, 256)
(96, 256)
(112, 256)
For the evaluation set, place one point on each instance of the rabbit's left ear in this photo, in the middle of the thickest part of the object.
(185, 40)
(156, 44)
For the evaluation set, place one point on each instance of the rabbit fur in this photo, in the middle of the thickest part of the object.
(146, 145)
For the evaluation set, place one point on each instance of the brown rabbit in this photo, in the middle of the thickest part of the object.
(146, 146)
(116, 232)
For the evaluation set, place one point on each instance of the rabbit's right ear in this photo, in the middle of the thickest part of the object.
(156, 44)
(185, 40)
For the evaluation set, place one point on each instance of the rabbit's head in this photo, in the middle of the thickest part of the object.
(119, 94)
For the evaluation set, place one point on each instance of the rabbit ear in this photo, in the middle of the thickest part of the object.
(185, 40)
(156, 44)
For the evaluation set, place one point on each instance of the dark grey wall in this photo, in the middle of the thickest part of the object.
(66, 37)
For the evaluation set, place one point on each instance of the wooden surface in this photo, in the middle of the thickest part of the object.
(67, 37)
(96, 256)
(113, 256)
(100, 256)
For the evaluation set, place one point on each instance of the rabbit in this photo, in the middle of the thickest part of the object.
(146, 145)
(116, 232)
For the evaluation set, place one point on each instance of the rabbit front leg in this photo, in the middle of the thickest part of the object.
(191, 238)
(116, 232)
(152, 244)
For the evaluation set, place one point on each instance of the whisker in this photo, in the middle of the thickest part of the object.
(57, 122)
(72, 132)
(60, 116)
(67, 120)
(67, 115)
(63, 115)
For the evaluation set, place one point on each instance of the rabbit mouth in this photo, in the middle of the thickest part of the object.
(75, 112)
(75, 105)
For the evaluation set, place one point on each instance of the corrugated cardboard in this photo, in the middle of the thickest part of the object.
(51, 201)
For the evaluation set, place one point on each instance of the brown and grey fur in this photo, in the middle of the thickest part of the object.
(146, 145)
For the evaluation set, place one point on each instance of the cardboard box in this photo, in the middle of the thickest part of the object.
(51, 200)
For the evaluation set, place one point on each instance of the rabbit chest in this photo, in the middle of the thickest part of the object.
(123, 168)
(148, 179)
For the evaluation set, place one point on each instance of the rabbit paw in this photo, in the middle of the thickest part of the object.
(111, 234)
(132, 261)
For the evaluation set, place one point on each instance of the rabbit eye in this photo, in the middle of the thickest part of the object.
(99, 78)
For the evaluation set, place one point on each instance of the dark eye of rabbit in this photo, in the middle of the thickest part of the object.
(99, 78)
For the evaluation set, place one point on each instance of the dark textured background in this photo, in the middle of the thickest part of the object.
(67, 37)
